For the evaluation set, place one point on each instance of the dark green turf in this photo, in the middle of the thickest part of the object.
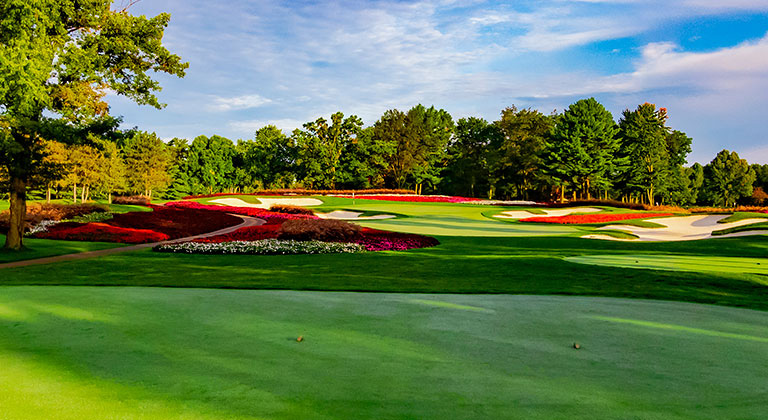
(458, 265)
(41, 248)
(137, 353)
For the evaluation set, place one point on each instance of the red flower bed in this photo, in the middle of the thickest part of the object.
(102, 232)
(270, 216)
(415, 198)
(176, 222)
(593, 218)
(161, 224)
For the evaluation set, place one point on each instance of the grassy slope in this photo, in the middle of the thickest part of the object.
(87, 353)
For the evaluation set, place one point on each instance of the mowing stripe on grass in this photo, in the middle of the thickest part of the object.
(450, 305)
(674, 327)
(738, 265)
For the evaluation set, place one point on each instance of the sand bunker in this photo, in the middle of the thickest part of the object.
(682, 228)
(266, 203)
(517, 214)
(352, 215)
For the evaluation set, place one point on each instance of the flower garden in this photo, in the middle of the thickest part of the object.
(182, 219)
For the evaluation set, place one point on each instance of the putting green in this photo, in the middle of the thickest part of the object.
(712, 264)
(444, 219)
(154, 353)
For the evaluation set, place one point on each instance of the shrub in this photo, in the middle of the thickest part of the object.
(92, 217)
(36, 213)
(138, 200)
(319, 229)
(283, 208)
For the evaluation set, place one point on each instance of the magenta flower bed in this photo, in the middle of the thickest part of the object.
(379, 240)
(415, 198)
(593, 218)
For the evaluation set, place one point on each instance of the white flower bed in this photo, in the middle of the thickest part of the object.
(265, 246)
(42, 226)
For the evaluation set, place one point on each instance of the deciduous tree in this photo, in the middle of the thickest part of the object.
(728, 178)
(57, 60)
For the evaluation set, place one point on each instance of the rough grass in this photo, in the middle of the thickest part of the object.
(94, 353)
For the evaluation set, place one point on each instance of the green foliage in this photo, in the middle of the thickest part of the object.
(417, 141)
(644, 138)
(519, 163)
(58, 59)
(209, 164)
(582, 149)
(728, 178)
(472, 158)
(320, 146)
(267, 160)
(148, 159)
(364, 161)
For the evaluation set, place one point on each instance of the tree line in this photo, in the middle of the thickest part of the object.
(581, 153)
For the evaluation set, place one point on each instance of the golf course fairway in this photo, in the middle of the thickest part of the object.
(160, 353)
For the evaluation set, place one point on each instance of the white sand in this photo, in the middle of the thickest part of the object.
(266, 203)
(681, 228)
(352, 215)
(513, 214)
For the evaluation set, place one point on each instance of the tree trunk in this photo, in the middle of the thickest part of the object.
(48, 194)
(109, 197)
(18, 210)
(74, 194)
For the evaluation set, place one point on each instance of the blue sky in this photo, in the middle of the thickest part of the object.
(254, 63)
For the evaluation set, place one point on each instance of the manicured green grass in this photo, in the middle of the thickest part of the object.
(714, 264)
(94, 353)
(517, 265)
(41, 248)
(735, 229)
(741, 215)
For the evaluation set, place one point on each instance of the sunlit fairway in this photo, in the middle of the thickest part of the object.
(679, 263)
(84, 352)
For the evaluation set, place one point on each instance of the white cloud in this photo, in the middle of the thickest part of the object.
(238, 102)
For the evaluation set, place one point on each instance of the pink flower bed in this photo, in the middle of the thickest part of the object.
(102, 232)
(414, 198)
(380, 240)
(593, 218)
(270, 217)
